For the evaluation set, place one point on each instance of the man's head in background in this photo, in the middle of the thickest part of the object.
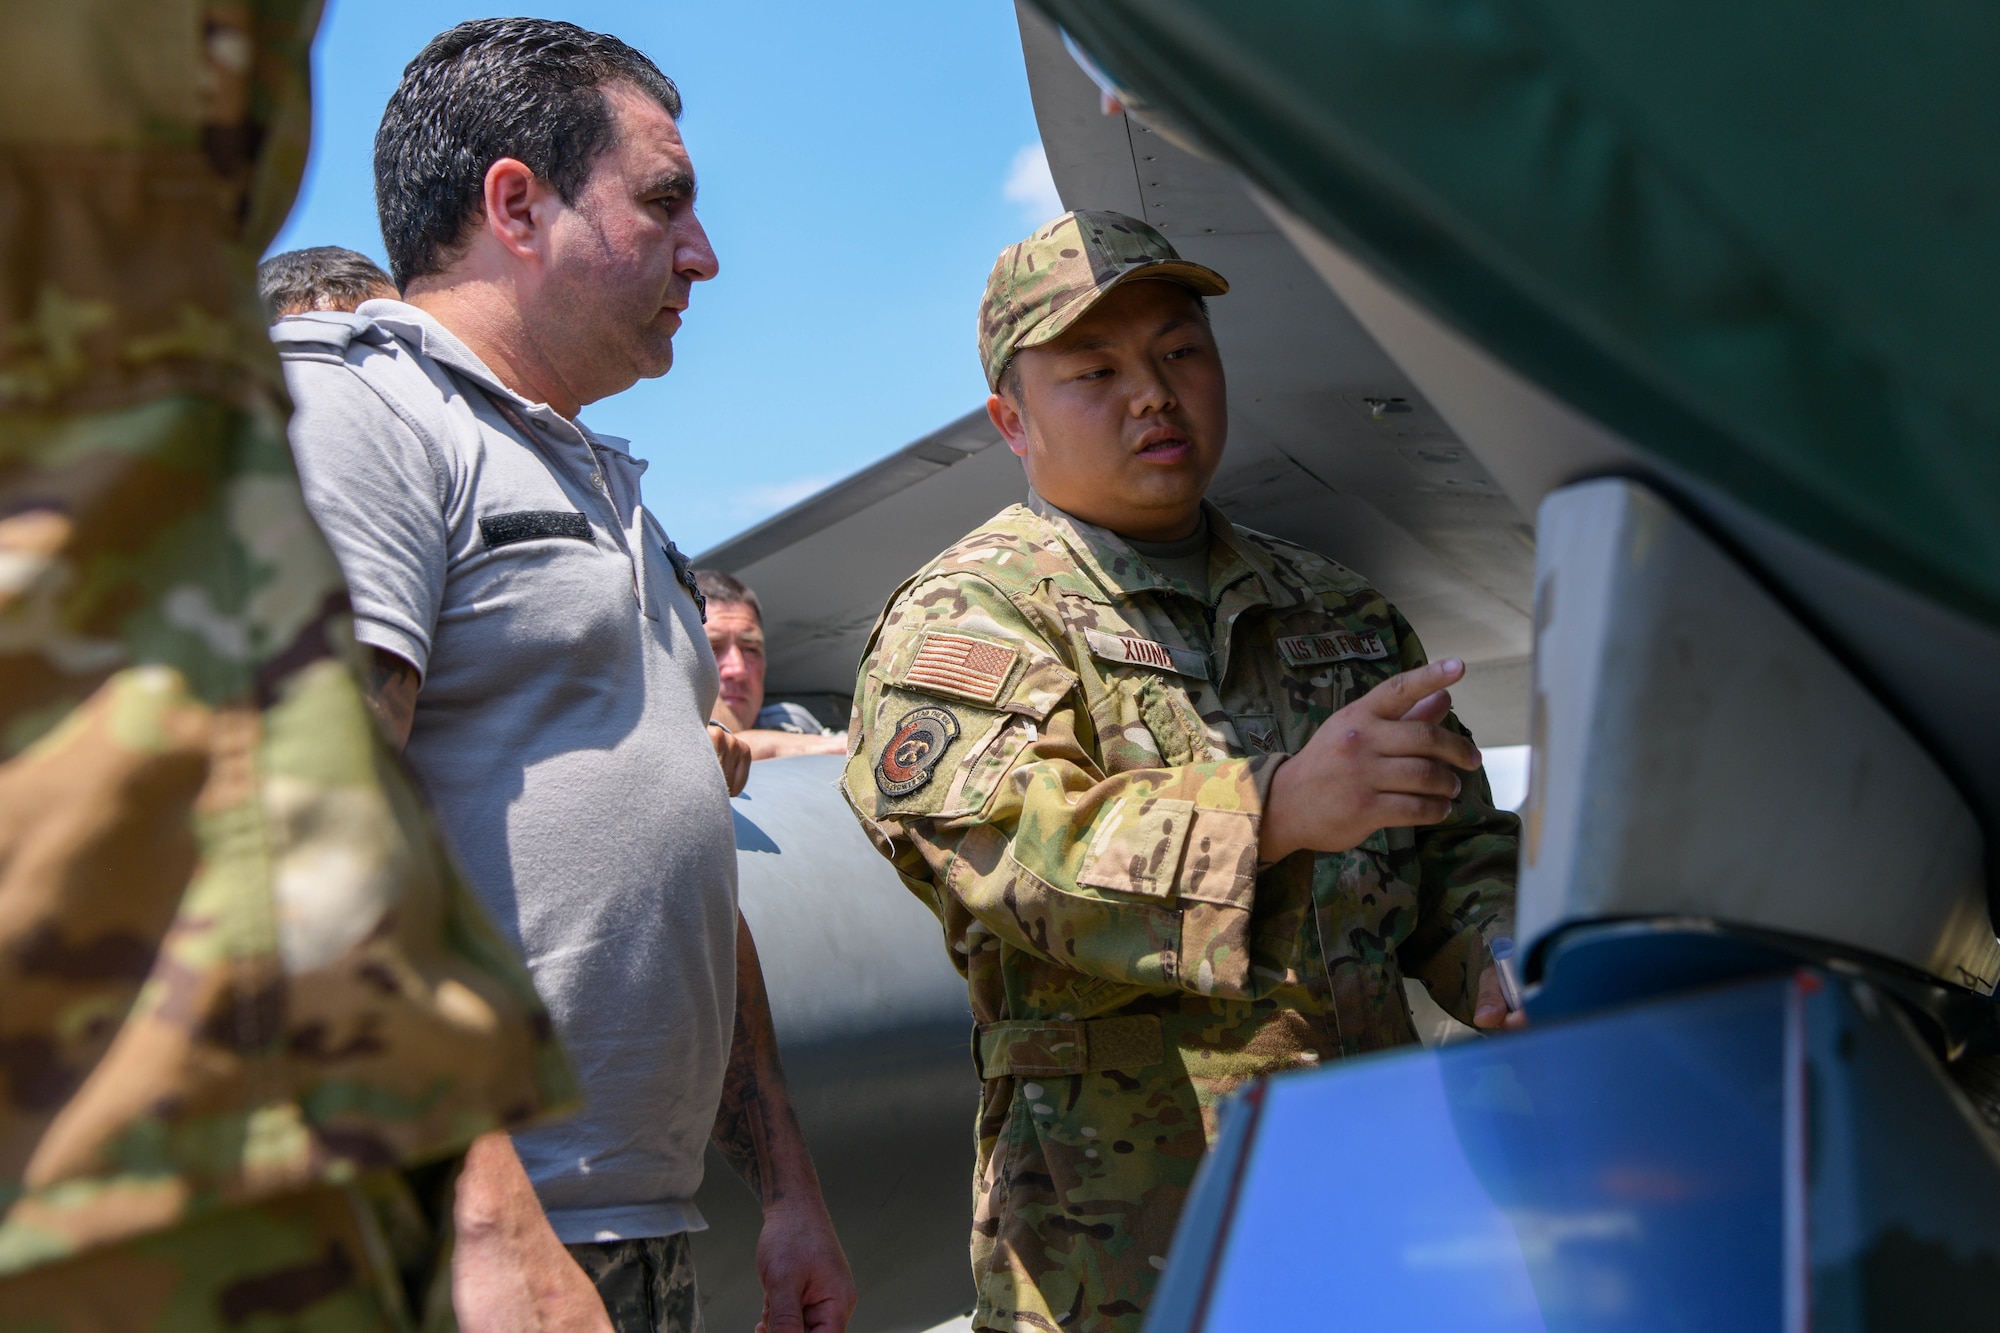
(736, 634)
(324, 277)
(536, 198)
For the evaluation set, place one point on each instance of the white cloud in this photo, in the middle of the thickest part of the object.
(777, 495)
(1030, 185)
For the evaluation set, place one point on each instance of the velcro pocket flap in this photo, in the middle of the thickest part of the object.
(528, 525)
(1138, 846)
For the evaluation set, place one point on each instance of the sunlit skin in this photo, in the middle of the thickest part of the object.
(736, 636)
(1122, 421)
(738, 643)
(570, 303)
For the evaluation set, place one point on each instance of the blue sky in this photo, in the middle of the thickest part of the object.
(860, 165)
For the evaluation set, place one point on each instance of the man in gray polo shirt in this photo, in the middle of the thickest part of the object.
(539, 646)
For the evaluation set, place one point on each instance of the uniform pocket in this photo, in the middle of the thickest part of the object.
(1138, 848)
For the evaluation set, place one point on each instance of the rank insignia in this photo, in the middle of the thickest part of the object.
(912, 754)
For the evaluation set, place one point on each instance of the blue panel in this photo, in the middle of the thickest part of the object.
(1623, 1175)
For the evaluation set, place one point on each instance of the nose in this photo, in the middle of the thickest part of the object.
(1150, 392)
(694, 256)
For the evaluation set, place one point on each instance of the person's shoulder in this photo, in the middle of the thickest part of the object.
(349, 372)
(326, 336)
(1017, 554)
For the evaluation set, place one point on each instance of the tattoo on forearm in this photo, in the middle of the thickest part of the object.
(756, 1125)
(392, 694)
(740, 1130)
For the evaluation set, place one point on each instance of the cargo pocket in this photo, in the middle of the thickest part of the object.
(1138, 848)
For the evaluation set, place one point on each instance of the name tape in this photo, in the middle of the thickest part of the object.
(1341, 646)
(1145, 653)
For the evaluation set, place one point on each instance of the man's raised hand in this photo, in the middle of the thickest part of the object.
(1384, 761)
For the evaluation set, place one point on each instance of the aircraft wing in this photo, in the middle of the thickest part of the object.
(1331, 445)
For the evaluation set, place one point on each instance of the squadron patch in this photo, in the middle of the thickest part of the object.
(912, 754)
(1341, 646)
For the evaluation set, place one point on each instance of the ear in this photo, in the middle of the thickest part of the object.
(1006, 419)
(511, 194)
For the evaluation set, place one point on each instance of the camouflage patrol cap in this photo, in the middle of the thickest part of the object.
(1042, 285)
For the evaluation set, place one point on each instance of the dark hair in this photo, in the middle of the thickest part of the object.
(325, 277)
(726, 590)
(530, 89)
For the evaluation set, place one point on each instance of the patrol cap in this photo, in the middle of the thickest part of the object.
(1042, 285)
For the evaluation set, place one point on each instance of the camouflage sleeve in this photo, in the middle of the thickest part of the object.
(1465, 886)
(973, 767)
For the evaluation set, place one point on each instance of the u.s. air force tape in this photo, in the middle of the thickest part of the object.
(1339, 646)
(913, 752)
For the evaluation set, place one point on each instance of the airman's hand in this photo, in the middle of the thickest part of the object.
(1384, 761)
(733, 755)
(1490, 1010)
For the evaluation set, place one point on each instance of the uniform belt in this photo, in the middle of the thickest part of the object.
(1076, 1047)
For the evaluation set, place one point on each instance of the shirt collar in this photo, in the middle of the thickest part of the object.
(421, 330)
(1122, 571)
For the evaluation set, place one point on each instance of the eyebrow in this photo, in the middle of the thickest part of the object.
(673, 185)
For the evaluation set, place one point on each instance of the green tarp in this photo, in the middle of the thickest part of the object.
(1757, 239)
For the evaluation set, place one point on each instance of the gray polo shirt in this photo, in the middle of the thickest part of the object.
(560, 732)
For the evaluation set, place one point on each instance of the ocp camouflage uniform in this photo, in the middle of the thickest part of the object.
(1066, 755)
(240, 981)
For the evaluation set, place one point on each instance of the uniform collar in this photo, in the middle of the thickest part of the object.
(421, 330)
(1240, 573)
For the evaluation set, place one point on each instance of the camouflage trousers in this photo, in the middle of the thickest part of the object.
(647, 1285)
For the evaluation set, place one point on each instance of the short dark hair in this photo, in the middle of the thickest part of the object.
(324, 277)
(530, 89)
(727, 590)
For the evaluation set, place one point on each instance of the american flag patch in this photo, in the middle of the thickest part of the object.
(961, 666)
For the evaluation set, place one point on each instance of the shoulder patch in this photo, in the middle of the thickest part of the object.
(1129, 651)
(1340, 646)
(914, 750)
(961, 666)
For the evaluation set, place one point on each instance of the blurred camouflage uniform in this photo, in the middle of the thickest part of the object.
(1066, 755)
(240, 983)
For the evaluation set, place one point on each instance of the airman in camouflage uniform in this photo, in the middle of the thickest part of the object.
(1067, 754)
(240, 982)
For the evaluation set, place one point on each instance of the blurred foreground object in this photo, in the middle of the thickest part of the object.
(1779, 1154)
(240, 981)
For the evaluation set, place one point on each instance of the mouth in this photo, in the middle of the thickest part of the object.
(1164, 444)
